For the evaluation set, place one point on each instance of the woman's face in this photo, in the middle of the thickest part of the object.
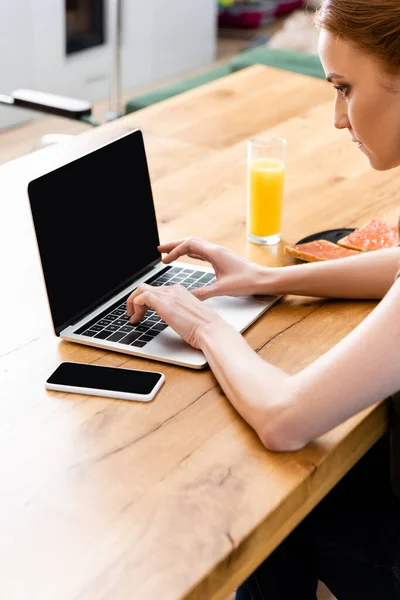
(367, 100)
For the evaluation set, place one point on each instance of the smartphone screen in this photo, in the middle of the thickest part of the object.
(109, 379)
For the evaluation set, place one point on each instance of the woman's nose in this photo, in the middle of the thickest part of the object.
(341, 118)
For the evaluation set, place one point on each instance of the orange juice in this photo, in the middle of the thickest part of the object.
(265, 197)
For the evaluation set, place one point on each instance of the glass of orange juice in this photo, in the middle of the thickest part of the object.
(265, 184)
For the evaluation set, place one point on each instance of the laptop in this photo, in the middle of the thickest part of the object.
(97, 237)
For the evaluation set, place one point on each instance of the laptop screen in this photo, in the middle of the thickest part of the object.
(95, 225)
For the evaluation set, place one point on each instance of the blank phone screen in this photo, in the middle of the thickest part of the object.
(104, 378)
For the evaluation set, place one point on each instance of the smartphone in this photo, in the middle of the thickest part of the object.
(111, 382)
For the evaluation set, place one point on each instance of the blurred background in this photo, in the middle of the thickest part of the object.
(71, 48)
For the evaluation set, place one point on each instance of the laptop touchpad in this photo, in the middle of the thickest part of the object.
(239, 311)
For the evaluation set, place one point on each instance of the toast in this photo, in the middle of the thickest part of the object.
(318, 250)
(374, 235)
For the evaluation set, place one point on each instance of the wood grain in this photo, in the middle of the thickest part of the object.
(231, 109)
(176, 499)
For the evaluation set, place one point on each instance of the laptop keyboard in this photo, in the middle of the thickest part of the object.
(114, 326)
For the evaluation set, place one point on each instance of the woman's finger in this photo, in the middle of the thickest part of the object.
(208, 291)
(130, 309)
(168, 246)
(141, 303)
(196, 256)
(189, 247)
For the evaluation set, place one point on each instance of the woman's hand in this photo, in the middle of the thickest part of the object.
(235, 276)
(177, 307)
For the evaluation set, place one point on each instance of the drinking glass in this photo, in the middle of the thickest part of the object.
(265, 188)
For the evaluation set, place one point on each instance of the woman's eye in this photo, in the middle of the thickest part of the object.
(343, 89)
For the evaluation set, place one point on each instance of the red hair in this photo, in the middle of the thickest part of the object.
(372, 25)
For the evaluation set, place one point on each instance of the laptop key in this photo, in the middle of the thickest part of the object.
(151, 333)
(145, 338)
(102, 335)
(119, 322)
(89, 332)
(142, 328)
(146, 321)
(160, 326)
(194, 286)
(110, 318)
(104, 322)
(131, 337)
(126, 328)
(97, 328)
(139, 344)
(115, 337)
(113, 327)
(207, 277)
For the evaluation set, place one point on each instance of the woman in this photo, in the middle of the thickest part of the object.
(351, 541)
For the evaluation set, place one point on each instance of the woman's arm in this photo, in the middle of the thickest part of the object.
(289, 411)
(367, 276)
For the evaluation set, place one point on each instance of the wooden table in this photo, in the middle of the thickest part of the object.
(175, 499)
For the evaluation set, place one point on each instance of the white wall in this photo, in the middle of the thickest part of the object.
(16, 59)
(160, 38)
(184, 37)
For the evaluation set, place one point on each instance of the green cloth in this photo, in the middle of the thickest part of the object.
(90, 120)
(288, 60)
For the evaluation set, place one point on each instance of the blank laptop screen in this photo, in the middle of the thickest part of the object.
(95, 226)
